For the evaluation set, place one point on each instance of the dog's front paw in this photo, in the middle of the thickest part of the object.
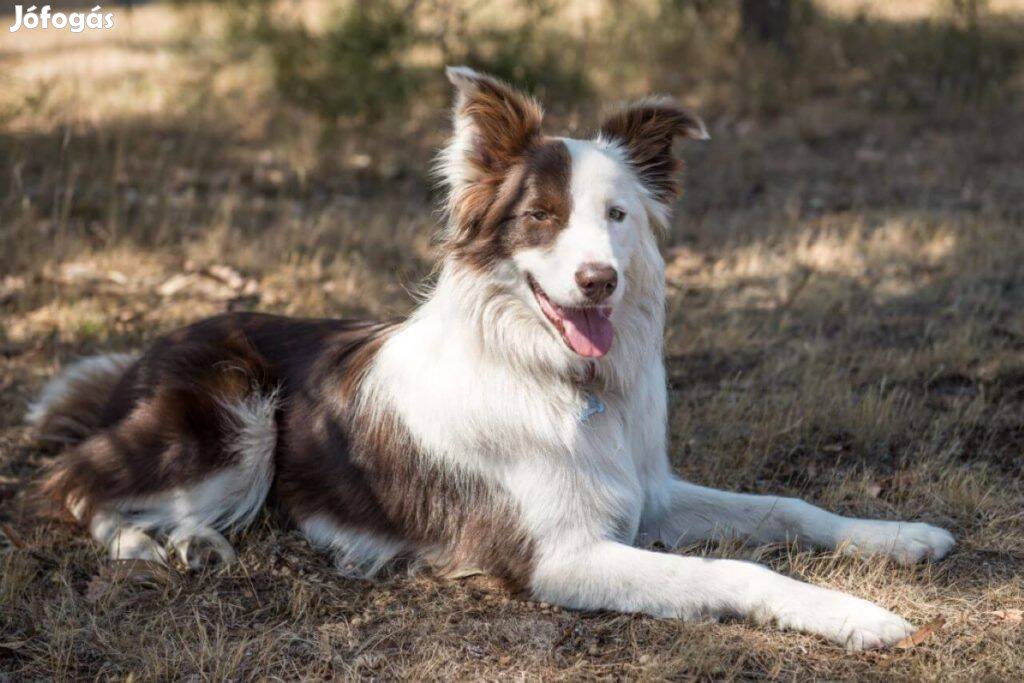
(904, 542)
(851, 622)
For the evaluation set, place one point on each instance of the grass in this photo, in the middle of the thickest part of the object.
(846, 324)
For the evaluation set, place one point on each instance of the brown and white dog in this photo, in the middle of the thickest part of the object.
(514, 424)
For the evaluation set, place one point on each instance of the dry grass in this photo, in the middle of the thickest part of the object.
(846, 324)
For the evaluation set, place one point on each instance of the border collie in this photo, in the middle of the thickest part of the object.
(514, 424)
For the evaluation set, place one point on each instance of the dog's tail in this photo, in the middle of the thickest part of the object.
(70, 406)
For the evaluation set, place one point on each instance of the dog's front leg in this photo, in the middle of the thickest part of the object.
(613, 576)
(677, 513)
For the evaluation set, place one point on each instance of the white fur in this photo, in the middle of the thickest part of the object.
(687, 513)
(356, 552)
(124, 540)
(485, 386)
(229, 498)
(598, 183)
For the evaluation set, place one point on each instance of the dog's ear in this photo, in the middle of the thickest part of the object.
(645, 131)
(494, 125)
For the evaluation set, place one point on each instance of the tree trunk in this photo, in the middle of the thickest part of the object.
(767, 20)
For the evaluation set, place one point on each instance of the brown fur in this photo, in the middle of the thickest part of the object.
(506, 122)
(646, 130)
(500, 222)
(514, 170)
(545, 186)
(77, 413)
(162, 426)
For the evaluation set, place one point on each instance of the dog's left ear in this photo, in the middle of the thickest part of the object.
(645, 131)
(494, 125)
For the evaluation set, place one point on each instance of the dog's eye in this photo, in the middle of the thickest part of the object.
(616, 214)
(538, 215)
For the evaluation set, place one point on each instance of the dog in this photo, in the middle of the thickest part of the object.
(514, 424)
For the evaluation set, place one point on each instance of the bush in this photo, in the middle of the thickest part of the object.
(360, 65)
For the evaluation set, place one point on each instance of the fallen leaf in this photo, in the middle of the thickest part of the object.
(11, 286)
(218, 283)
(922, 634)
(1015, 616)
(225, 274)
(117, 277)
(461, 573)
(175, 284)
(13, 536)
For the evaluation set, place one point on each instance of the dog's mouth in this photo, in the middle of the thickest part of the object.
(586, 330)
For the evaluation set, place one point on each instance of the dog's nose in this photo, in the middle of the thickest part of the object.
(597, 281)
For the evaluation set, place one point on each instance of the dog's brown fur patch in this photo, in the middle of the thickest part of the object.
(505, 123)
(498, 222)
(514, 169)
(646, 130)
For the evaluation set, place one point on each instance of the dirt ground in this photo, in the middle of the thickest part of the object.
(846, 324)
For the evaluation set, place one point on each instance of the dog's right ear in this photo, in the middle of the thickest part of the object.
(494, 124)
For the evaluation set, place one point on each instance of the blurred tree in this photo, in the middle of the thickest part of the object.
(360, 62)
(767, 21)
(355, 67)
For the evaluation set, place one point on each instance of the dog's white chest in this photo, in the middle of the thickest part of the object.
(608, 470)
(589, 486)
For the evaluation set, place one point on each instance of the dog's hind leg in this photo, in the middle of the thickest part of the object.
(124, 540)
(198, 546)
(185, 463)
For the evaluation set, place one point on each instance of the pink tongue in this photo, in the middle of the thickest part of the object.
(588, 332)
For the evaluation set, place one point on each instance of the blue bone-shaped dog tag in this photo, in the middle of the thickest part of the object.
(593, 406)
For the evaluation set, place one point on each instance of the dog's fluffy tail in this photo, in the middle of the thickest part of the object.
(70, 406)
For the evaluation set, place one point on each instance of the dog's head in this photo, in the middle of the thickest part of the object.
(560, 219)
